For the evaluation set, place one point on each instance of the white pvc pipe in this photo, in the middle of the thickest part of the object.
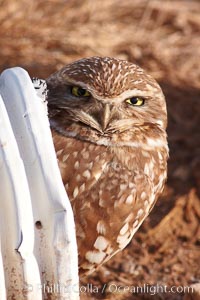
(55, 241)
(20, 267)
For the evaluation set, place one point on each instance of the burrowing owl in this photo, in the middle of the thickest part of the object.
(108, 119)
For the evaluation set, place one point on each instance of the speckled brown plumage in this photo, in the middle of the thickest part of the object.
(112, 155)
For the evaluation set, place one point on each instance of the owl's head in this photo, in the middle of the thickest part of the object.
(102, 96)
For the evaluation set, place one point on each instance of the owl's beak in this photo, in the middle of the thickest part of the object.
(105, 117)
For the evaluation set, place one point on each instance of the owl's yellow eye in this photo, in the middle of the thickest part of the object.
(136, 101)
(79, 92)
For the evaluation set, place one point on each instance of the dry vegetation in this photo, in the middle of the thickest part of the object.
(162, 37)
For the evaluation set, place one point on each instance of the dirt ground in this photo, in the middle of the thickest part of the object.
(162, 37)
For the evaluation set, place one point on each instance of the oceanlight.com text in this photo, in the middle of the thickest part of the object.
(58, 288)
